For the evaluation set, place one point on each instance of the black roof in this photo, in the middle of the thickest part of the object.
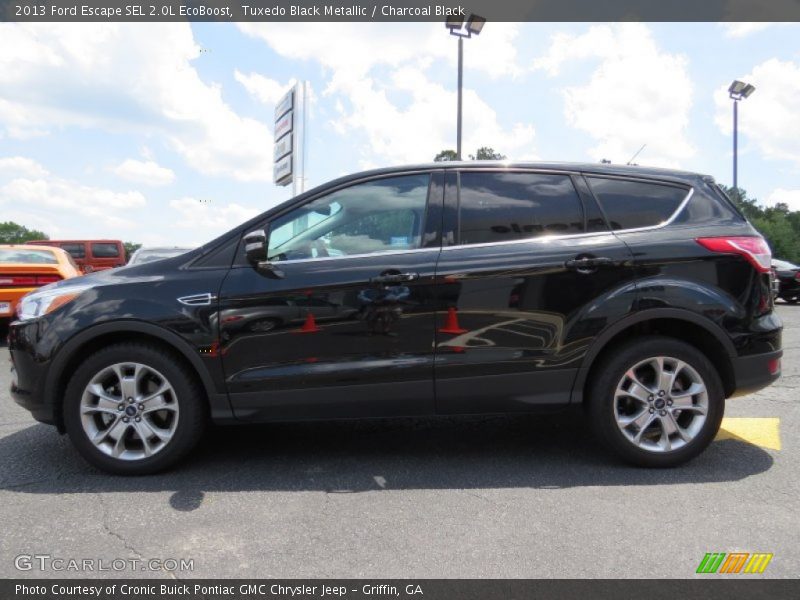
(675, 175)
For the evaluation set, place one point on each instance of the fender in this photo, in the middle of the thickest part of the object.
(219, 404)
(600, 342)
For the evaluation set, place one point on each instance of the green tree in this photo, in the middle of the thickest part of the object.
(445, 156)
(130, 248)
(486, 153)
(12, 233)
(482, 153)
(779, 225)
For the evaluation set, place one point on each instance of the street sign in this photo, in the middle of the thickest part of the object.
(283, 125)
(285, 104)
(282, 171)
(283, 146)
(288, 158)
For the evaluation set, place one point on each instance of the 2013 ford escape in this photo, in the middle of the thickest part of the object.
(463, 288)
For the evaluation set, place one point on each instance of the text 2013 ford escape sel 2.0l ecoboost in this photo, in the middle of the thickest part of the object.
(469, 288)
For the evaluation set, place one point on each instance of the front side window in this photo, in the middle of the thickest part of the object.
(375, 216)
(632, 204)
(500, 207)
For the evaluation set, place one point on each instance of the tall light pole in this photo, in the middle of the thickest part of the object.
(738, 90)
(456, 26)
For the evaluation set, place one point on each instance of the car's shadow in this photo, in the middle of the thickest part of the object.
(553, 451)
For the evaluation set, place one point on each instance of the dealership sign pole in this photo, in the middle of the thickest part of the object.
(290, 132)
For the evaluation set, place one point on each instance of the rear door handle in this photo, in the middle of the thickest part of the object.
(588, 262)
(395, 278)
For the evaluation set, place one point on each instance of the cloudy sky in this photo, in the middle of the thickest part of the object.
(162, 133)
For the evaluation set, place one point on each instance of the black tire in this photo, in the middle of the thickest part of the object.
(791, 300)
(189, 395)
(610, 372)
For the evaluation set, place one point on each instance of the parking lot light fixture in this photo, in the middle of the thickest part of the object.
(738, 90)
(474, 26)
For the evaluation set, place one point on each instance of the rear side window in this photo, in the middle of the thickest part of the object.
(500, 207)
(75, 250)
(633, 204)
(103, 250)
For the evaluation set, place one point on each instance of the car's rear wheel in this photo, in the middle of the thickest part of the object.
(656, 401)
(133, 409)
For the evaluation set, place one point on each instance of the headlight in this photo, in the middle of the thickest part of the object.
(44, 301)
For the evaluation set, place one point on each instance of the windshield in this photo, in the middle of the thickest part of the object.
(36, 257)
(783, 265)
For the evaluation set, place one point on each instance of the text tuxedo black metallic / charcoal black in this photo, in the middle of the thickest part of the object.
(439, 289)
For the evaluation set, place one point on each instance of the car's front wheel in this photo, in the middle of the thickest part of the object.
(656, 401)
(133, 409)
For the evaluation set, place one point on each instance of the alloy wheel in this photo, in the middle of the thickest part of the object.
(661, 404)
(129, 411)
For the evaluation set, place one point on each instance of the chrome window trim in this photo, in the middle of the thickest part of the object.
(362, 255)
(531, 240)
(661, 225)
(539, 239)
(542, 239)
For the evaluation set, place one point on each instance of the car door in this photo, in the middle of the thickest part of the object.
(357, 263)
(528, 275)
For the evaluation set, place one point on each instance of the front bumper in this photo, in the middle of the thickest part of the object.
(755, 372)
(28, 374)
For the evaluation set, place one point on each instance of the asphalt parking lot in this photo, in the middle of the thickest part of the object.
(489, 497)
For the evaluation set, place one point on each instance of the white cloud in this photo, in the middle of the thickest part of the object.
(147, 172)
(744, 28)
(426, 125)
(624, 105)
(789, 197)
(351, 50)
(34, 197)
(405, 115)
(194, 214)
(768, 119)
(19, 165)
(125, 77)
(265, 90)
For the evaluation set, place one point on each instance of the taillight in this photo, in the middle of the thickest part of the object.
(797, 276)
(754, 249)
(27, 280)
(45, 279)
(18, 281)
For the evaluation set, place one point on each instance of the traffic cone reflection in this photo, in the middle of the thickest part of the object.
(310, 326)
(451, 324)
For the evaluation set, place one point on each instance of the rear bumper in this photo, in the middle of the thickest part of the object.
(755, 372)
(12, 295)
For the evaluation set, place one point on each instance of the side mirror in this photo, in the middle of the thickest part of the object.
(255, 246)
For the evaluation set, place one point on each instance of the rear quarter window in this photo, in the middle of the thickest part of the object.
(630, 204)
(104, 250)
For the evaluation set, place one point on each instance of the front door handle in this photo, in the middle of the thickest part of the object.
(586, 263)
(395, 278)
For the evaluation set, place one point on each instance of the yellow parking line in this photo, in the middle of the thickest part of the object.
(759, 431)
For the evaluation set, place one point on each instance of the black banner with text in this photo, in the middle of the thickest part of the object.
(398, 10)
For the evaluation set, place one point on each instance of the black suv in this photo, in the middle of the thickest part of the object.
(463, 288)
